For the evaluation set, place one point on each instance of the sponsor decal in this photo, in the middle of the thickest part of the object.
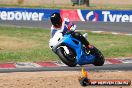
(92, 16)
(11, 15)
(26, 14)
(116, 17)
(88, 15)
(105, 16)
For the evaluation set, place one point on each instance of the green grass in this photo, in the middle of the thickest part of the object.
(33, 44)
(91, 7)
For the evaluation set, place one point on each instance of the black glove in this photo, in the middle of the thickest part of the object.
(69, 32)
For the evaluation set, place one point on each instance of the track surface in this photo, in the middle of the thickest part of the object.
(123, 67)
(92, 26)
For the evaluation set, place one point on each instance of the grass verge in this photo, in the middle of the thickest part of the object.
(31, 44)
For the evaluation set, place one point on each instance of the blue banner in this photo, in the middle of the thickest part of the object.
(31, 14)
(26, 14)
(106, 16)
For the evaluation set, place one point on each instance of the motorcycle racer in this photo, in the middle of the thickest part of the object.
(63, 24)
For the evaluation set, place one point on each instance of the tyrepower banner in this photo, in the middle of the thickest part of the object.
(31, 14)
(26, 14)
(98, 15)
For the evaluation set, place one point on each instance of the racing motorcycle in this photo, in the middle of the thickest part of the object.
(72, 52)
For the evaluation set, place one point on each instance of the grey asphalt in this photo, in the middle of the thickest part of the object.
(93, 26)
(113, 67)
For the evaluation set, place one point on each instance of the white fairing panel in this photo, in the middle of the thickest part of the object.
(55, 39)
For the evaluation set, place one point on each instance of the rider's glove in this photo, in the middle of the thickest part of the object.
(69, 32)
(73, 28)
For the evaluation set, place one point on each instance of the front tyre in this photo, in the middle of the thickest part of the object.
(69, 60)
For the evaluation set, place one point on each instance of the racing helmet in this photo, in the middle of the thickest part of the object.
(56, 19)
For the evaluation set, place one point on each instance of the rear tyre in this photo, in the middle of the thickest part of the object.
(99, 57)
(69, 60)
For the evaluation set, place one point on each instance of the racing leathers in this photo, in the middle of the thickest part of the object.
(68, 27)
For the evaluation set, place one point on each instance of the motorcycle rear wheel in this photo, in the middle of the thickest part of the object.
(99, 57)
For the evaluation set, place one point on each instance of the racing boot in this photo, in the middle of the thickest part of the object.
(88, 48)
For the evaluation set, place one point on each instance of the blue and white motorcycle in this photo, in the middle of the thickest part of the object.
(72, 52)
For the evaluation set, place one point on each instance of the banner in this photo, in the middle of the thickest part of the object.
(26, 14)
(98, 15)
(31, 14)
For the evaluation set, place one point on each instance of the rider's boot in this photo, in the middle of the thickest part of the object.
(88, 48)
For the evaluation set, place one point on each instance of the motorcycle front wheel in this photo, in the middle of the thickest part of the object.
(68, 59)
